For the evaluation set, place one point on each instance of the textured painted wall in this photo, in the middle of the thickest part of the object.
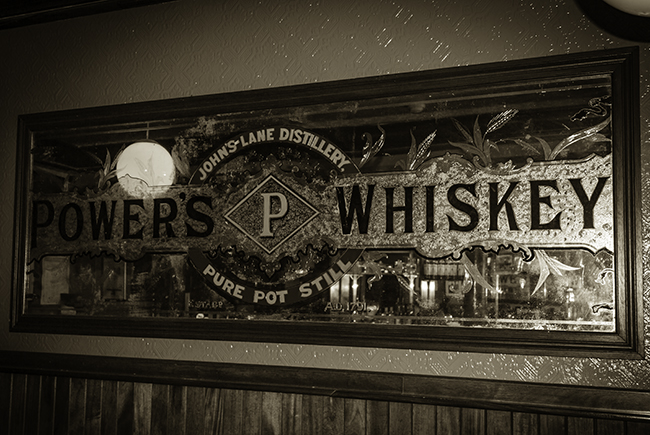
(196, 47)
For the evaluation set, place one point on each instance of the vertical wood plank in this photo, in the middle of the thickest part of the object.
(312, 414)
(92, 419)
(424, 419)
(46, 411)
(159, 408)
(271, 413)
(17, 407)
(5, 401)
(77, 406)
(472, 421)
(252, 413)
(448, 420)
(109, 408)
(32, 403)
(178, 409)
(291, 414)
(524, 423)
(377, 417)
(62, 405)
(142, 408)
(213, 411)
(637, 428)
(580, 426)
(195, 421)
(125, 408)
(609, 427)
(498, 422)
(400, 418)
(233, 410)
(552, 424)
(355, 416)
(333, 416)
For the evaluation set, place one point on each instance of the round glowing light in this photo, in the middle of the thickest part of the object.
(145, 164)
(634, 7)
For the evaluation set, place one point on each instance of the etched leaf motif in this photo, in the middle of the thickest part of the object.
(546, 148)
(419, 153)
(582, 134)
(102, 172)
(370, 149)
(478, 136)
(476, 275)
(500, 120)
(405, 284)
(145, 170)
(117, 158)
(477, 143)
(557, 266)
(108, 170)
(180, 162)
(599, 137)
(462, 130)
(543, 274)
(548, 266)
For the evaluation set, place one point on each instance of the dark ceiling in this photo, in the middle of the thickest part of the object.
(23, 13)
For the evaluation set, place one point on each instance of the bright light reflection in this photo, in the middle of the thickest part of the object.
(145, 164)
(635, 7)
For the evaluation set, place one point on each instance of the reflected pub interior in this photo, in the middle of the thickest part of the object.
(325, 217)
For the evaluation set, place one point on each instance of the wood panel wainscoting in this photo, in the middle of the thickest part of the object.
(70, 394)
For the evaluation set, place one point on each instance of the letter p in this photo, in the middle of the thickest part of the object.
(209, 270)
(36, 223)
(268, 214)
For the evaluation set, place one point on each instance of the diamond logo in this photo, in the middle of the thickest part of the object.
(271, 214)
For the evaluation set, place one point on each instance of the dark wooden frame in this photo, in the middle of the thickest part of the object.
(626, 342)
(568, 400)
(42, 11)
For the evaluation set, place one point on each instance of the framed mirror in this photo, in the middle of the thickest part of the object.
(490, 208)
